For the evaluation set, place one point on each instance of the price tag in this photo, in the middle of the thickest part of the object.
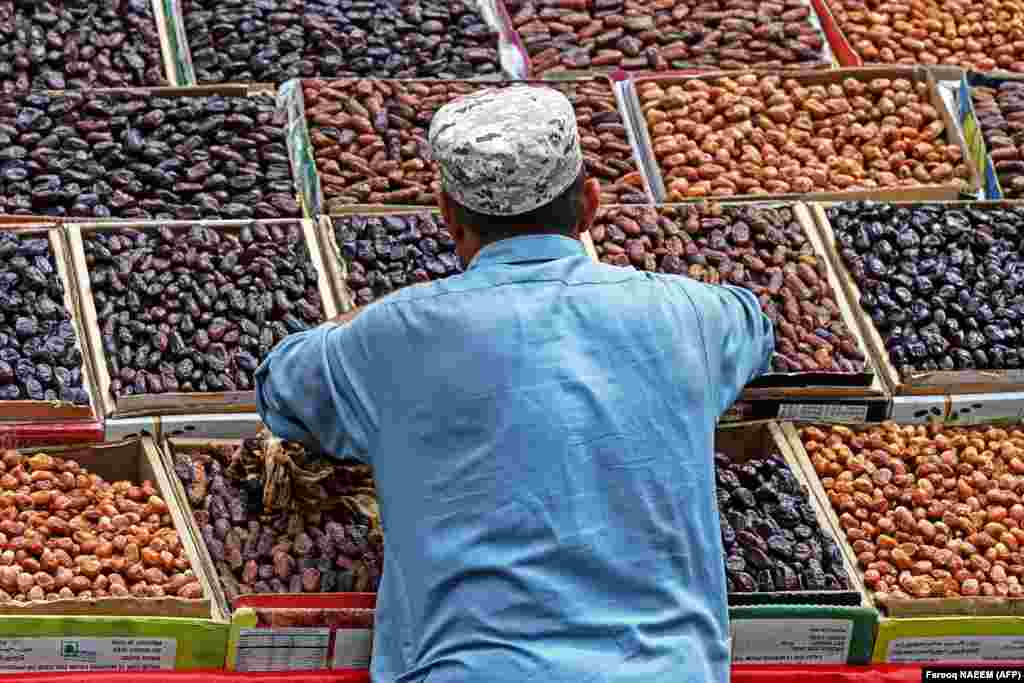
(791, 641)
(827, 412)
(955, 649)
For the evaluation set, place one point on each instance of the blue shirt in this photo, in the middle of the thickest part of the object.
(541, 429)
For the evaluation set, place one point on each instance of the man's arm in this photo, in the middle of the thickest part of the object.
(306, 391)
(739, 339)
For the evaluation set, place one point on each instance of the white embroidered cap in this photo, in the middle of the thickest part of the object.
(504, 152)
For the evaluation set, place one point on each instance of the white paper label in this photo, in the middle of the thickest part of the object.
(829, 412)
(951, 649)
(791, 641)
(283, 649)
(24, 655)
(352, 648)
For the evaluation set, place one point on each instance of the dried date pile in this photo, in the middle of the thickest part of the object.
(943, 286)
(67, 533)
(972, 35)
(772, 538)
(753, 134)
(648, 35)
(197, 309)
(53, 45)
(40, 356)
(274, 40)
(385, 253)
(930, 511)
(134, 156)
(370, 144)
(764, 250)
(277, 520)
(1001, 117)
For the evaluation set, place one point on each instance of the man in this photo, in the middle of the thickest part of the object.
(541, 428)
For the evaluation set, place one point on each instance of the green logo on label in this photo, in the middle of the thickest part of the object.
(69, 648)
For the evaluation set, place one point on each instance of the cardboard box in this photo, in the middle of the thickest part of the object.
(802, 634)
(300, 632)
(972, 130)
(511, 55)
(810, 385)
(307, 180)
(900, 609)
(170, 403)
(946, 191)
(56, 411)
(920, 383)
(746, 442)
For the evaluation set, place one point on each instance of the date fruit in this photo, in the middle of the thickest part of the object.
(275, 40)
(196, 309)
(977, 36)
(772, 538)
(653, 35)
(999, 115)
(40, 354)
(385, 253)
(753, 134)
(944, 286)
(930, 511)
(129, 155)
(58, 45)
(72, 534)
(268, 540)
(762, 249)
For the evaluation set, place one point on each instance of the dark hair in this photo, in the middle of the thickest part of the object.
(560, 216)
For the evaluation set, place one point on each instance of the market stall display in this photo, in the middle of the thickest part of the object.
(981, 36)
(239, 41)
(273, 518)
(369, 140)
(145, 154)
(929, 512)
(93, 528)
(769, 249)
(370, 256)
(185, 309)
(645, 35)
(778, 546)
(940, 288)
(61, 44)
(43, 372)
(879, 131)
(999, 111)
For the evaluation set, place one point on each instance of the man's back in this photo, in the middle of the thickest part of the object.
(541, 431)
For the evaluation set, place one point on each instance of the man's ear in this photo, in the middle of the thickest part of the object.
(591, 203)
(457, 231)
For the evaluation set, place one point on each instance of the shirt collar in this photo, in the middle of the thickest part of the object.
(528, 248)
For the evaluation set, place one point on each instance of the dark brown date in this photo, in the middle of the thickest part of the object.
(78, 45)
(131, 156)
(385, 253)
(652, 35)
(274, 40)
(761, 249)
(197, 309)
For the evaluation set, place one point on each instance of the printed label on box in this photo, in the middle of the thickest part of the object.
(283, 649)
(828, 412)
(791, 641)
(352, 648)
(23, 655)
(955, 649)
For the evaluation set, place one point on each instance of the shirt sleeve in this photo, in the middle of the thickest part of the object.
(739, 339)
(305, 393)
